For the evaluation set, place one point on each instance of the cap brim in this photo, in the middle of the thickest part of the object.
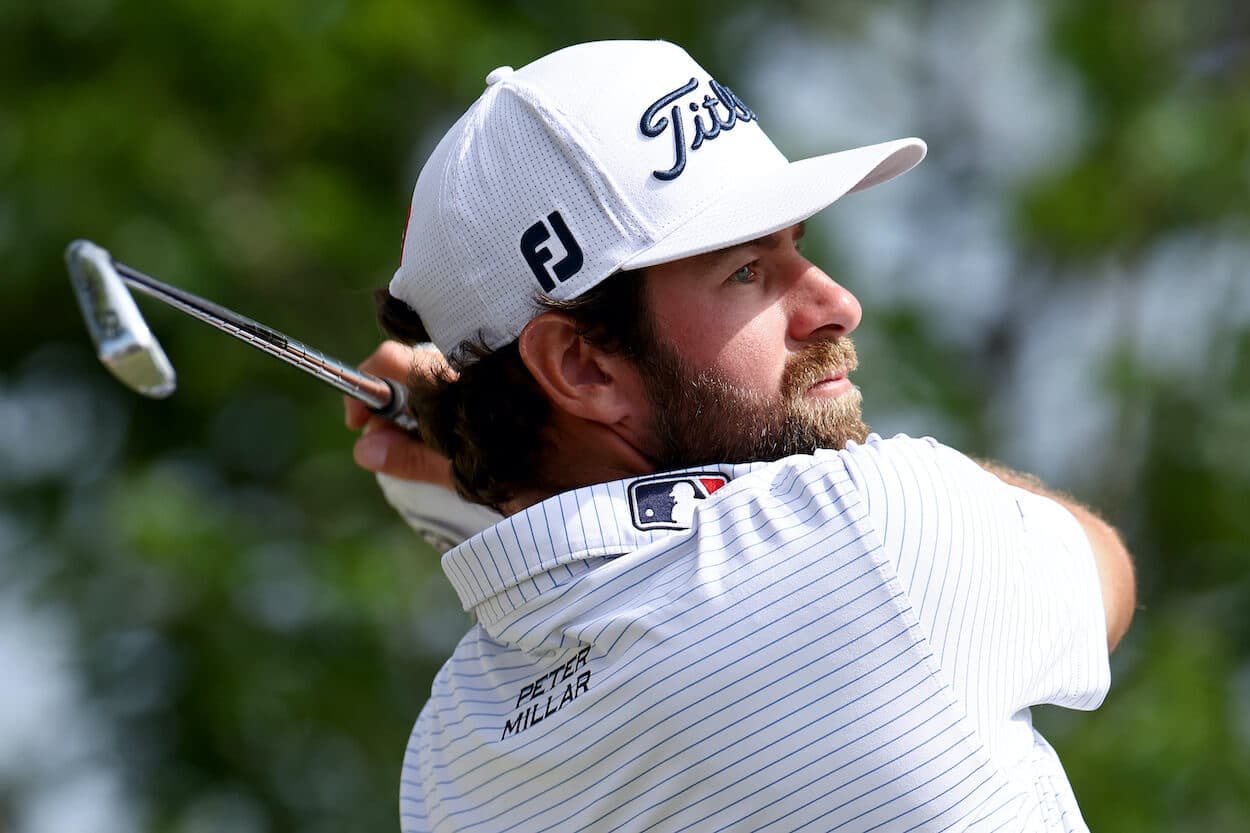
(770, 202)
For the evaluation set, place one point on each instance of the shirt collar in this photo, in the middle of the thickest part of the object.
(506, 562)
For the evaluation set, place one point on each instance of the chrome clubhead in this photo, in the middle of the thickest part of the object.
(123, 341)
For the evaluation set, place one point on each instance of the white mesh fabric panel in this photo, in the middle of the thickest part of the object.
(425, 279)
(504, 174)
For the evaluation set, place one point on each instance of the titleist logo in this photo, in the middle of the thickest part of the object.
(722, 108)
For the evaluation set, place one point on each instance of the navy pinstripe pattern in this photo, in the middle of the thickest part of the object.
(847, 641)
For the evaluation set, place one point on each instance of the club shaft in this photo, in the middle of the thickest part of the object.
(373, 391)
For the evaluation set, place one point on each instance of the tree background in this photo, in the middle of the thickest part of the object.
(208, 617)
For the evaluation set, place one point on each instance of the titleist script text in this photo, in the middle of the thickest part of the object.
(721, 100)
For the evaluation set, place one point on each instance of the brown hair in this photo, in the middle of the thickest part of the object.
(490, 420)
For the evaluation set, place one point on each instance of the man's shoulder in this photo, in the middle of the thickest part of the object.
(900, 456)
(847, 470)
(903, 473)
(900, 453)
(898, 445)
(900, 468)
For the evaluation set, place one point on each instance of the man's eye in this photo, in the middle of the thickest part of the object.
(744, 275)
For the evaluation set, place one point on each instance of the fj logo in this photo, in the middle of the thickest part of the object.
(537, 251)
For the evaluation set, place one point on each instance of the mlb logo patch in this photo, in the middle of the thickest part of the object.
(668, 501)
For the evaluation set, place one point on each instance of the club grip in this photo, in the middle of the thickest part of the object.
(397, 409)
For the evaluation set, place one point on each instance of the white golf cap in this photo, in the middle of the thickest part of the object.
(596, 158)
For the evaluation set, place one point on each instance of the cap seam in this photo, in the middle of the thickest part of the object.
(532, 97)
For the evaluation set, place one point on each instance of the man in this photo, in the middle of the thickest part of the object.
(843, 633)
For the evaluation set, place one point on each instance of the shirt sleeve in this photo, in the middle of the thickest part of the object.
(434, 512)
(1003, 581)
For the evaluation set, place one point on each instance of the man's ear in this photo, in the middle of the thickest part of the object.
(578, 377)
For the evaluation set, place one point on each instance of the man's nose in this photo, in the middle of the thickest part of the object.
(820, 307)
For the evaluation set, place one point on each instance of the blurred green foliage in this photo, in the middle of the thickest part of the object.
(250, 633)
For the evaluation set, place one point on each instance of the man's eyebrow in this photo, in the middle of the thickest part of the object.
(768, 241)
(775, 240)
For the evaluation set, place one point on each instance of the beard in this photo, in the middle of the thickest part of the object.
(701, 417)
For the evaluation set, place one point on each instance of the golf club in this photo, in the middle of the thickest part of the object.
(126, 346)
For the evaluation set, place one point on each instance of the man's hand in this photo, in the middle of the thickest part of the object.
(382, 446)
(1115, 566)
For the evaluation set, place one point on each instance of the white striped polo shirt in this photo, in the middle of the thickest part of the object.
(849, 640)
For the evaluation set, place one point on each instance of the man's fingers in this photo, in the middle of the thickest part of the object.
(399, 362)
(355, 414)
(390, 359)
(384, 448)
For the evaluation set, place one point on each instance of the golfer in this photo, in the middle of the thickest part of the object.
(715, 601)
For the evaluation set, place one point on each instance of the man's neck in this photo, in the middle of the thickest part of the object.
(578, 454)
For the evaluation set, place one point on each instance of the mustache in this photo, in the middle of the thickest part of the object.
(818, 362)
